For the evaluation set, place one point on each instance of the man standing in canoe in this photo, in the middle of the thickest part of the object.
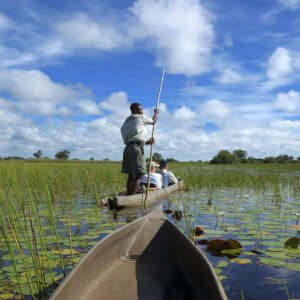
(134, 134)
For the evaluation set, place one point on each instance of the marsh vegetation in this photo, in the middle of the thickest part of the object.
(50, 219)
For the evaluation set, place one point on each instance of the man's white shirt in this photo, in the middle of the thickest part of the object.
(155, 178)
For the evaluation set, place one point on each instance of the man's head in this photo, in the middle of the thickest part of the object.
(136, 108)
(163, 164)
(153, 165)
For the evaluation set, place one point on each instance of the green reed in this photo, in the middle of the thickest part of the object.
(242, 294)
(42, 238)
(33, 286)
(22, 233)
(53, 223)
(11, 252)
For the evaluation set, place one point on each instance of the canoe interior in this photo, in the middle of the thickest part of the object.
(138, 199)
(147, 259)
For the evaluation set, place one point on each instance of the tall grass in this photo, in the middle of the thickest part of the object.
(40, 202)
(34, 197)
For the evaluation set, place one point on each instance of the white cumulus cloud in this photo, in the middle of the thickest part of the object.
(32, 85)
(280, 63)
(184, 114)
(181, 33)
(117, 103)
(229, 76)
(88, 107)
(289, 102)
(34, 92)
(214, 110)
(81, 30)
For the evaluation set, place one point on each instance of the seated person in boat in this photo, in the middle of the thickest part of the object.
(155, 178)
(168, 177)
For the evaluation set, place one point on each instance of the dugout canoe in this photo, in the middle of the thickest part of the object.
(138, 199)
(146, 259)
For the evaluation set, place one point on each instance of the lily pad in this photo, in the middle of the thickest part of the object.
(272, 262)
(247, 243)
(25, 290)
(92, 243)
(222, 277)
(279, 255)
(222, 264)
(107, 231)
(218, 270)
(90, 237)
(65, 252)
(271, 243)
(4, 283)
(7, 296)
(21, 279)
(215, 232)
(6, 257)
(241, 261)
(234, 252)
(293, 266)
(11, 268)
(292, 252)
(244, 237)
(275, 249)
(77, 259)
(249, 253)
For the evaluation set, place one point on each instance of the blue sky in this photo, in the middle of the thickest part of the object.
(70, 69)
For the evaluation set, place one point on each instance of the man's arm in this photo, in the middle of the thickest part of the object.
(172, 177)
(150, 141)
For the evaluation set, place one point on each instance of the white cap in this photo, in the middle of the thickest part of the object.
(153, 164)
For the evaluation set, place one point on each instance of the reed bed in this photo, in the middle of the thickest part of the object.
(41, 220)
(50, 218)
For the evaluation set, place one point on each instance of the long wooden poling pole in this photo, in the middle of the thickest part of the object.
(152, 136)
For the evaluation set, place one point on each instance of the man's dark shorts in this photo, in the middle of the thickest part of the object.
(134, 161)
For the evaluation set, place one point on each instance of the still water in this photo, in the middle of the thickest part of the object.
(261, 221)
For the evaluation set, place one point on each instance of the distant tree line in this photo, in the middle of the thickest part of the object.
(63, 155)
(223, 157)
(241, 156)
(12, 158)
(59, 155)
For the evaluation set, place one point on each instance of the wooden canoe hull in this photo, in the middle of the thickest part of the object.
(146, 259)
(138, 199)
